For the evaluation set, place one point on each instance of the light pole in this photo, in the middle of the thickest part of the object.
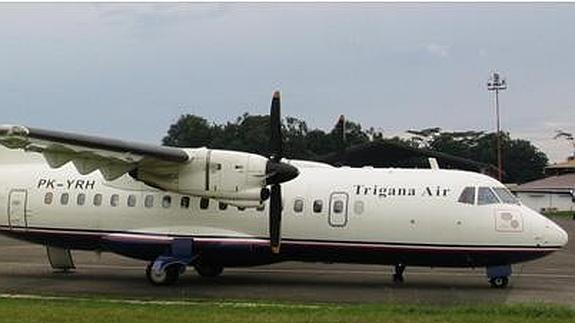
(497, 83)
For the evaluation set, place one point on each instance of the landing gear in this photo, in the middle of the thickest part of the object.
(499, 276)
(398, 274)
(499, 282)
(164, 276)
(208, 270)
(167, 268)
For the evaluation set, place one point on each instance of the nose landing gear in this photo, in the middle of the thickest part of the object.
(499, 282)
(398, 274)
(499, 276)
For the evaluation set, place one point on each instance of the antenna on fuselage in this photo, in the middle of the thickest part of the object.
(433, 164)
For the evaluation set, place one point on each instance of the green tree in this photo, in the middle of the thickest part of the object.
(250, 133)
(190, 131)
(521, 160)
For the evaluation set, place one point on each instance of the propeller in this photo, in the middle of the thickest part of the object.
(276, 173)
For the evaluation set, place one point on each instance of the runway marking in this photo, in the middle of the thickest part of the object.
(169, 303)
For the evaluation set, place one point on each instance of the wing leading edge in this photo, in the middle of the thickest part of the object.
(89, 153)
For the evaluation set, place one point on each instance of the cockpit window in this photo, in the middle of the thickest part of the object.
(505, 196)
(486, 196)
(467, 196)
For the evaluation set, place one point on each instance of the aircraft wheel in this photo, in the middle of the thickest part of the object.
(167, 277)
(499, 282)
(208, 270)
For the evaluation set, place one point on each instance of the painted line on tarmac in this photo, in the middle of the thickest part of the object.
(169, 303)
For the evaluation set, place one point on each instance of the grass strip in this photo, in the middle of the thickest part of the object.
(560, 214)
(102, 310)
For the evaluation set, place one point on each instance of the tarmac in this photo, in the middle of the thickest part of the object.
(24, 270)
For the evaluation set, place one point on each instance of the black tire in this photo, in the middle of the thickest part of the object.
(499, 282)
(168, 277)
(208, 270)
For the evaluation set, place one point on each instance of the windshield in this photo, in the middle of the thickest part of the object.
(486, 196)
(505, 196)
(467, 196)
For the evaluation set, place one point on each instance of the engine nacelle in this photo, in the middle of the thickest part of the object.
(218, 174)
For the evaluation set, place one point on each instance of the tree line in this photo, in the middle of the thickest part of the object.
(250, 133)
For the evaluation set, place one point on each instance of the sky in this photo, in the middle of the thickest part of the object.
(129, 70)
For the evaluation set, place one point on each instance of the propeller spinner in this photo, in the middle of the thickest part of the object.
(277, 173)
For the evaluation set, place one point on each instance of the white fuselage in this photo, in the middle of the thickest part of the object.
(390, 207)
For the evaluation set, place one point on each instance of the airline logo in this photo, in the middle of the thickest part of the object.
(508, 221)
(384, 191)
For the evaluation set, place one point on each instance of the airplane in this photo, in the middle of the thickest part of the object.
(210, 209)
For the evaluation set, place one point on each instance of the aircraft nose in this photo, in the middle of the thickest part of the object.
(559, 236)
(549, 232)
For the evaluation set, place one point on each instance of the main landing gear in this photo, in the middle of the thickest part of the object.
(164, 276)
(499, 276)
(167, 268)
(398, 274)
(208, 270)
(170, 274)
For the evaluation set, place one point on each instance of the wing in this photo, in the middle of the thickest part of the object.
(111, 157)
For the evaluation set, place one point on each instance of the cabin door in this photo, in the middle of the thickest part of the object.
(338, 202)
(17, 208)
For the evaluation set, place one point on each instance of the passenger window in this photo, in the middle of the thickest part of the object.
(81, 199)
(64, 198)
(114, 200)
(166, 201)
(338, 206)
(358, 207)
(131, 200)
(48, 197)
(204, 203)
(467, 196)
(185, 202)
(486, 196)
(149, 201)
(505, 196)
(222, 206)
(98, 199)
(298, 206)
(317, 206)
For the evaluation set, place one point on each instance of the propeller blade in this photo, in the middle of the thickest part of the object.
(275, 217)
(276, 141)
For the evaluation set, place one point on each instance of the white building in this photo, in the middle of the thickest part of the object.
(554, 193)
